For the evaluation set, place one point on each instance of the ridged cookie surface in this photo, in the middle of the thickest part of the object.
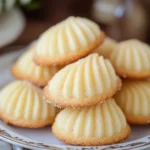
(106, 48)
(22, 104)
(96, 125)
(134, 100)
(84, 83)
(26, 69)
(131, 59)
(68, 41)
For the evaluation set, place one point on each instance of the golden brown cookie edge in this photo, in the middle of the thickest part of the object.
(91, 142)
(47, 61)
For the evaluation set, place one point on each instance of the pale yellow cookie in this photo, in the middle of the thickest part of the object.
(68, 41)
(26, 69)
(134, 100)
(131, 59)
(100, 124)
(22, 104)
(106, 48)
(84, 83)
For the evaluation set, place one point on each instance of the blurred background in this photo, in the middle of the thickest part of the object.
(22, 21)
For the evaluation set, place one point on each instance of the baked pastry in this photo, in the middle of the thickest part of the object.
(106, 48)
(68, 41)
(26, 69)
(100, 124)
(84, 83)
(131, 59)
(134, 100)
(22, 104)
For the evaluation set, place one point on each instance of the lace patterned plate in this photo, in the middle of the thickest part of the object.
(44, 139)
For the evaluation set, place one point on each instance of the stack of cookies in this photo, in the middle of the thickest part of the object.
(79, 71)
(131, 60)
(84, 88)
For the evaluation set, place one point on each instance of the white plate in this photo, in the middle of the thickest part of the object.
(12, 24)
(44, 139)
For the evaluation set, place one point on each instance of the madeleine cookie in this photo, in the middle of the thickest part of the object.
(68, 41)
(134, 100)
(100, 124)
(106, 48)
(131, 59)
(22, 104)
(84, 83)
(26, 69)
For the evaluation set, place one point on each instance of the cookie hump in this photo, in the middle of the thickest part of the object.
(26, 69)
(68, 41)
(84, 83)
(106, 48)
(22, 104)
(131, 59)
(96, 125)
(134, 100)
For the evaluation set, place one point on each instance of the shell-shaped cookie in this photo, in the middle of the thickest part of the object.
(26, 69)
(84, 83)
(68, 41)
(134, 100)
(96, 125)
(131, 59)
(22, 104)
(106, 48)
